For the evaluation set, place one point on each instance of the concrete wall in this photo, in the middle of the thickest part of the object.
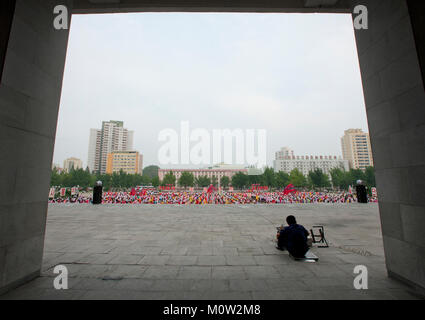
(395, 103)
(112, 6)
(417, 17)
(29, 100)
(7, 10)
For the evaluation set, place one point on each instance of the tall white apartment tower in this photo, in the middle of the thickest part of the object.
(112, 137)
(94, 150)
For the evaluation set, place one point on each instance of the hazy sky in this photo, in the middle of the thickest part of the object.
(296, 75)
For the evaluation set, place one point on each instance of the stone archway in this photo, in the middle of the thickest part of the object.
(391, 54)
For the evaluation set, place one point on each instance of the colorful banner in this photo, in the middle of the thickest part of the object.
(52, 193)
(258, 187)
(374, 193)
(74, 191)
(167, 187)
(63, 192)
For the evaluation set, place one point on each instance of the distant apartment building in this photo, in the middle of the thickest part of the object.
(210, 173)
(112, 137)
(56, 166)
(128, 161)
(286, 161)
(72, 163)
(283, 153)
(93, 160)
(356, 149)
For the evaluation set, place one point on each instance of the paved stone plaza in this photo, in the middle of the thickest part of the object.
(208, 252)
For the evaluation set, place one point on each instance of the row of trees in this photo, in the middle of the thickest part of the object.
(187, 179)
(84, 178)
(315, 179)
(340, 179)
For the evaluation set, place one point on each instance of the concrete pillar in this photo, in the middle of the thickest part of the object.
(30, 92)
(417, 17)
(7, 10)
(395, 103)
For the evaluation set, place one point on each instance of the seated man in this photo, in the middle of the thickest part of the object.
(293, 238)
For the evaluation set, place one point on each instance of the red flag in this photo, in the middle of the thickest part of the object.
(211, 189)
(289, 189)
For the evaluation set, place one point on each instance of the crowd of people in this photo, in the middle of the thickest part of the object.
(186, 198)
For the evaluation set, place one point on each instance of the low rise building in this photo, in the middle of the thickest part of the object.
(72, 163)
(287, 161)
(128, 161)
(210, 173)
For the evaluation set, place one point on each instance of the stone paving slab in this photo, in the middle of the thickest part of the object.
(208, 252)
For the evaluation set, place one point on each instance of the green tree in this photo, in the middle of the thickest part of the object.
(356, 174)
(55, 178)
(338, 177)
(106, 180)
(155, 182)
(80, 177)
(169, 178)
(150, 171)
(318, 179)
(268, 178)
(145, 180)
(282, 179)
(186, 179)
(240, 180)
(133, 180)
(255, 179)
(66, 179)
(214, 181)
(297, 178)
(202, 181)
(116, 180)
(224, 181)
(369, 175)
